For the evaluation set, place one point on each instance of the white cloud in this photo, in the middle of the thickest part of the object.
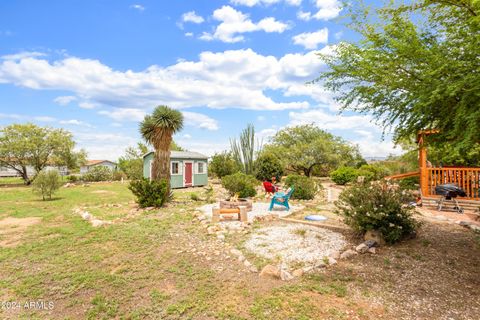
(191, 16)
(138, 7)
(199, 120)
(187, 136)
(188, 34)
(327, 9)
(251, 3)
(45, 119)
(87, 105)
(230, 79)
(122, 114)
(311, 40)
(329, 121)
(233, 23)
(102, 145)
(23, 55)
(75, 122)
(64, 100)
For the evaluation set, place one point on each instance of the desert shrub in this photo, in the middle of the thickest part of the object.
(118, 175)
(344, 175)
(378, 206)
(72, 178)
(46, 183)
(98, 173)
(241, 184)
(194, 197)
(375, 171)
(268, 166)
(410, 183)
(305, 188)
(223, 164)
(150, 193)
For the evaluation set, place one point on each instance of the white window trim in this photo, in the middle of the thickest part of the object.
(204, 167)
(180, 169)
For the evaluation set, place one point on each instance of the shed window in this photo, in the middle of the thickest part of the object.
(175, 167)
(201, 167)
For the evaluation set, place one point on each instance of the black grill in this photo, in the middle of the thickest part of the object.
(450, 191)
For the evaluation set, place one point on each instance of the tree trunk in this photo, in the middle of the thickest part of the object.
(161, 160)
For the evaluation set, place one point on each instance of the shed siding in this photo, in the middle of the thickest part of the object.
(176, 180)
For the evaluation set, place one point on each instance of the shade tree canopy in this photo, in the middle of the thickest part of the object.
(416, 66)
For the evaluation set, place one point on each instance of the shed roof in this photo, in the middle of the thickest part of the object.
(94, 162)
(183, 155)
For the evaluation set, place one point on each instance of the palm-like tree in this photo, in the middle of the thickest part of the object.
(158, 129)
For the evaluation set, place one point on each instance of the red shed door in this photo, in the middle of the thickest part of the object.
(188, 174)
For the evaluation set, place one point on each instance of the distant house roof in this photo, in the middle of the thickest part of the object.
(183, 155)
(95, 162)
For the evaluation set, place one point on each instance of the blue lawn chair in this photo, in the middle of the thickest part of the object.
(281, 199)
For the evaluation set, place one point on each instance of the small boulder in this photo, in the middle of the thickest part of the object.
(221, 237)
(236, 252)
(241, 258)
(348, 254)
(361, 248)
(97, 223)
(270, 271)
(86, 215)
(285, 275)
(375, 236)
(247, 263)
(308, 269)
(253, 269)
(371, 250)
(331, 261)
(335, 255)
(297, 273)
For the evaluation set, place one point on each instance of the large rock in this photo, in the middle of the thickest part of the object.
(270, 271)
(297, 273)
(348, 254)
(375, 236)
(361, 248)
(285, 275)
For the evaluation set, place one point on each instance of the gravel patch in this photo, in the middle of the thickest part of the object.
(259, 209)
(294, 243)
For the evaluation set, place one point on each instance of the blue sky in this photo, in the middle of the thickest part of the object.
(96, 67)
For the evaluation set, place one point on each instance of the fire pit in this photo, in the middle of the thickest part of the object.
(234, 204)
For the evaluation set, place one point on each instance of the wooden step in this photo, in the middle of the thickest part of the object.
(448, 205)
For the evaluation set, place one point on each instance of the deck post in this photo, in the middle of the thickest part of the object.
(422, 163)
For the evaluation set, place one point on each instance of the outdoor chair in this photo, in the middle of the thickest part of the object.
(269, 187)
(281, 198)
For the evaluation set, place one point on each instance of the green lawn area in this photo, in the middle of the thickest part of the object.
(140, 268)
(10, 180)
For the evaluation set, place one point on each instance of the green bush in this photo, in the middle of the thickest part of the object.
(344, 175)
(305, 188)
(223, 164)
(410, 183)
(150, 193)
(268, 166)
(98, 173)
(46, 183)
(241, 184)
(376, 171)
(72, 178)
(118, 175)
(380, 206)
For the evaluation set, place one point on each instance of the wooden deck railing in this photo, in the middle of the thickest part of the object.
(466, 178)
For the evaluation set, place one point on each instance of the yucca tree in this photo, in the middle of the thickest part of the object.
(158, 129)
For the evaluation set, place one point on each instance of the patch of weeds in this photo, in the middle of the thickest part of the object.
(102, 308)
(180, 307)
(320, 237)
(158, 296)
(426, 242)
(337, 314)
(194, 197)
(300, 232)
(339, 289)
(418, 257)
(387, 261)
(326, 261)
(265, 308)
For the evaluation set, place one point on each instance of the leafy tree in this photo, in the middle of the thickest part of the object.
(304, 188)
(46, 183)
(243, 149)
(240, 184)
(132, 162)
(302, 148)
(415, 67)
(267, 166)
(24, 145)
(158, 129)
(175, 147)
(223, 164)
(98, 173)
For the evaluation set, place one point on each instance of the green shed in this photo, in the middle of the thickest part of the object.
(187, 169)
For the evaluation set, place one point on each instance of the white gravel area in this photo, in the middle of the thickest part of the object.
(259, 209)
(292, 243)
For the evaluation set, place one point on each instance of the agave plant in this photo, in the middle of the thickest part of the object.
(158, 129)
